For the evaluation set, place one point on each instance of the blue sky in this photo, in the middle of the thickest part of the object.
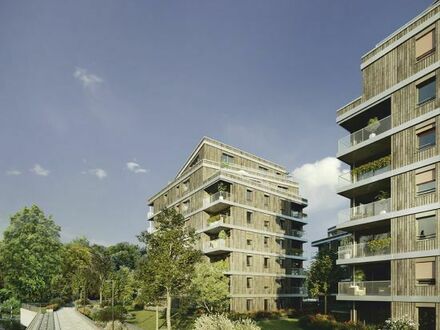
(89, 86)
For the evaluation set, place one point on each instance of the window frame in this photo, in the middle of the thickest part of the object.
(423, 84)
(421, 36)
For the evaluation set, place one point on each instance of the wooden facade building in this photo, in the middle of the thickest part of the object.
(248, 212)
(393, 151)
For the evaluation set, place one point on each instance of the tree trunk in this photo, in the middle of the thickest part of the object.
(100, 295)
(325, 304)
(157, 317)
(168, 310)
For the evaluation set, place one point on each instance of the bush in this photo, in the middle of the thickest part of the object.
(221, 321)
(105, 314)
(118, 326)
(11, 303)
(327, 322)
(263, 315)
(404, 323)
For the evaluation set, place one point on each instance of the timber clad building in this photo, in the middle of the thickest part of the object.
(249, 213)
(393, 151)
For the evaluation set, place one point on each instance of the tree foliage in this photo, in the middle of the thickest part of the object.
(168, 268)
(211, 286)
(30, 255)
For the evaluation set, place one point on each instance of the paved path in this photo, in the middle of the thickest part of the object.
(67, 318)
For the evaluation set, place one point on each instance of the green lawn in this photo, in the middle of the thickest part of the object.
(281, 324)
(146, 320)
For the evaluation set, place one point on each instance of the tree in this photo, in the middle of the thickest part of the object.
(102, 266)
(124, 255)
(323, 274)
(168, 267)
(31, 255)
(211, 286)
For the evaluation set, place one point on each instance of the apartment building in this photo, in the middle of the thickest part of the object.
(339, 309)
(249, 213)
(392, 149)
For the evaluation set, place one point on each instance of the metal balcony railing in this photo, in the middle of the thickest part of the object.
(362, 211)
(365, 288)
(361, 250)
(368, 132)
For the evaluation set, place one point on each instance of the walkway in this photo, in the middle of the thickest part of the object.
(67, 318)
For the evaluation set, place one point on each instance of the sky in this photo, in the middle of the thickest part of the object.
(102, 101)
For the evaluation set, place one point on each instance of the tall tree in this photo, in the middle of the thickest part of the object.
(102, 266)
(211, 286)
(323, 274)
(124, 255)
(168, 268)
(31, 255)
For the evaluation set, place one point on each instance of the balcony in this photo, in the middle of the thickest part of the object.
(364, 289)
(298, 272)
(364, 134)
(217, 202)
(298, 290)
(297, 233)
(214, 247)
(363, 211)
(377, 247)
(216, 223)
(366, 171)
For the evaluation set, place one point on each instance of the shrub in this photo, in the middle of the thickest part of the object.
(105, 314)
(118, 326)
(11, 303)
(264, 315)
(404, 323)
(327, 322)
(221, 321)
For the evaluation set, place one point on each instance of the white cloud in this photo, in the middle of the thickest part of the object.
(13, 172)
(98, 172)
(39, 170)
(88, 80)
(135, 168)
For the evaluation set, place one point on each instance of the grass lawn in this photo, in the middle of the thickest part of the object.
(281, 324)
(146, 320)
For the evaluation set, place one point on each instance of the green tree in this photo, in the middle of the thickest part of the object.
(125, 286)
(31, 255)
(168, 268)
(323, 274)
(211, 286)
(101, 267)
(124, 255)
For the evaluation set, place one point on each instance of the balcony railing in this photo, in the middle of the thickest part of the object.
(365, 288)
(298, 271)
(362, 211)
(215, 244)
(297, 233)
(348, 178)
(298, 290)
(220, 195)
(361, 250)
(217, 220)
(364, 134)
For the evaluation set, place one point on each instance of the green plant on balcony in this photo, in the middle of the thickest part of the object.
(373, 125)
(382, 195)
(297, 251)
(214, 218)
(221, 187)
(380, 244)
(359, 275)
(346, 241)
(222, 235)
(372, 166)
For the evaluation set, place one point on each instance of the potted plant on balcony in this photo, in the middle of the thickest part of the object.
(379, 245)
(382, 196)
(372, 127)
(347, 246)
(221, 188)
(222, 235)
(359, 275)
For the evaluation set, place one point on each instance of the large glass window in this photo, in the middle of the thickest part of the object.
(426, 138)
(227, 159)
(426, 226)
(427, 318)
(426, 90)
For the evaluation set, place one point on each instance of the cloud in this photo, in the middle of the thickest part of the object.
(13, 172)
(98, 172)
(39, 170)
(88, 80)
(135, 168)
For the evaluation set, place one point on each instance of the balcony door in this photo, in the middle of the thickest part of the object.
(427, 318)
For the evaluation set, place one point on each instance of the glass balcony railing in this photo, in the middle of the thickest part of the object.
(297, 233)
(362, 211)
(220, 195)
(364, 134)
(218, 219)
(348, 178)
(215, 245)
(378, 247)
(298, 271)
(365, 288)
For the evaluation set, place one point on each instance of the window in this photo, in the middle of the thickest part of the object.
(282, 262)
(284, 206)
(425, 180)
(266, 200)
(249, 217)
(426, 90)
(283, 243)
(426, 134)
(248, 261)
(425, 44)
(185, 206)
(248, 304)
(249, 282)
(427, 318)
(266, 224)
(283, 188)
(185, 185)
(249, 195)
(249, 242)
(266, 241)
(426, 225)
(261, 168)
(425, 271)
(282, 224)
(227, 159)
(266, 305)
(266, 263)
(165, 197)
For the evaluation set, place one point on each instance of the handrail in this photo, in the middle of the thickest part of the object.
(361, 250)
(364, 288)
(362, 211)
